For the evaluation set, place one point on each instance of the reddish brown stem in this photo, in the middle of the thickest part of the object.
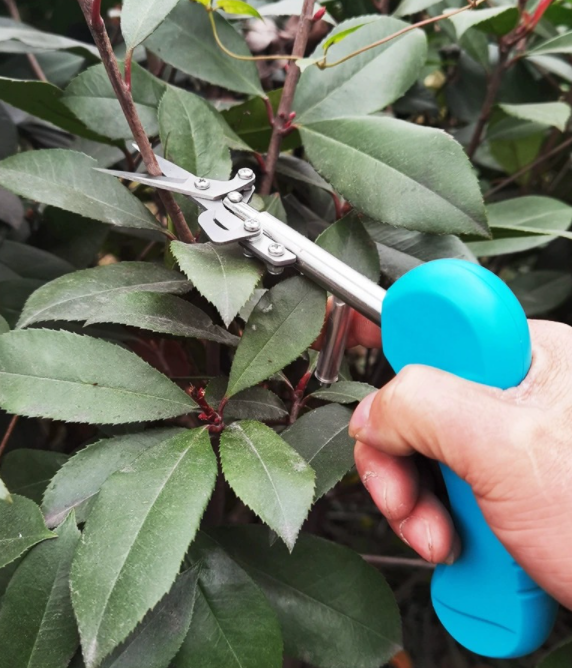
(492, 90)
(298, 396)
(34, 64)
(527, 168)
(8, 433)
(103, 44)
(96, 18)
(282, 120)
(128, 65)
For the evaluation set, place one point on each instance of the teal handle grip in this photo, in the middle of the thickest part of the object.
(459, 317)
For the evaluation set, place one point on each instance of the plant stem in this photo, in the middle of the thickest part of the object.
(8, 433)
(526, 168)
(492, 90)
(323, 65)
(34, 64)
(376, 560)
(282, 121)
(101, 38)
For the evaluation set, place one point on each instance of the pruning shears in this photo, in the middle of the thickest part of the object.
(450, 314)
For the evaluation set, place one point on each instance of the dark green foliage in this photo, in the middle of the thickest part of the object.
(169, 386)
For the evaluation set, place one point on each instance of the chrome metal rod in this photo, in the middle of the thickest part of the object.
(332, 353)
(350, 286)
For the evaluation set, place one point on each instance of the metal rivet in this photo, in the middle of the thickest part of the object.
(251, 225)
(275, 271)
(202, 184)
(247, 253)
(235, 197)
(276, 249)
(245, 173)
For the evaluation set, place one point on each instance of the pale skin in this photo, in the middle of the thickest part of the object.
(513, 447)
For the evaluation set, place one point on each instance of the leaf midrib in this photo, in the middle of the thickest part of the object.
(249, 566)
(144, 519)
(238, 661)
(124, 288)
(69, 191)
(274, 334)
(99, 387)
(377, 161)
(215, 53)
(268, 474)
(336, 89)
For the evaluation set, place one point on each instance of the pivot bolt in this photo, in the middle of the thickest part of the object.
(276, 250)
(251, 225)
(275, 271)
(235, 197)
(245, 173)
(202, 184)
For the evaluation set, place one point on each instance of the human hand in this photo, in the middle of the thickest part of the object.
(513, 447)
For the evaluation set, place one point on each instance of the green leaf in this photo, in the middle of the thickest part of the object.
(238, 7)
(495, 20)
(192, 137)
(21, 526)
(546, 113)
(28, 472)
(561, 657)
(256, 403)
(268, 476)
(17, 37)
(335, 610)
(37, 625)
(340, 36)
(159, 636)
(400, 250)
(139, 18)
(185, 40)
(284, 323)
(539, 215)
(29, 262)
(92, 99)
(540, 292)
(408, 7)
(553, 65)
(79, 295)
(68, 180)
(348, 240)
(136, 537)
(77, 484)
(164, 314)
(438, 194)
(4, 326)
(222, 275)
(301, 171)
(233, 624)
(44, 100)
(73, 238)
(344, 392)
(346, 90)
(40, 369)
(560, 44)
(514, 155)
(250, 122)
(4, 493)
(322, 438)
(13, 295)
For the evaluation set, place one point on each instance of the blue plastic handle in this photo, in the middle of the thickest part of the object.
(459, 317)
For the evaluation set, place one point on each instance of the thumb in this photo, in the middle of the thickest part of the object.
(462, 424)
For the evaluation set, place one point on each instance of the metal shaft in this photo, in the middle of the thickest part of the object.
(332, 352)
(348, 285)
